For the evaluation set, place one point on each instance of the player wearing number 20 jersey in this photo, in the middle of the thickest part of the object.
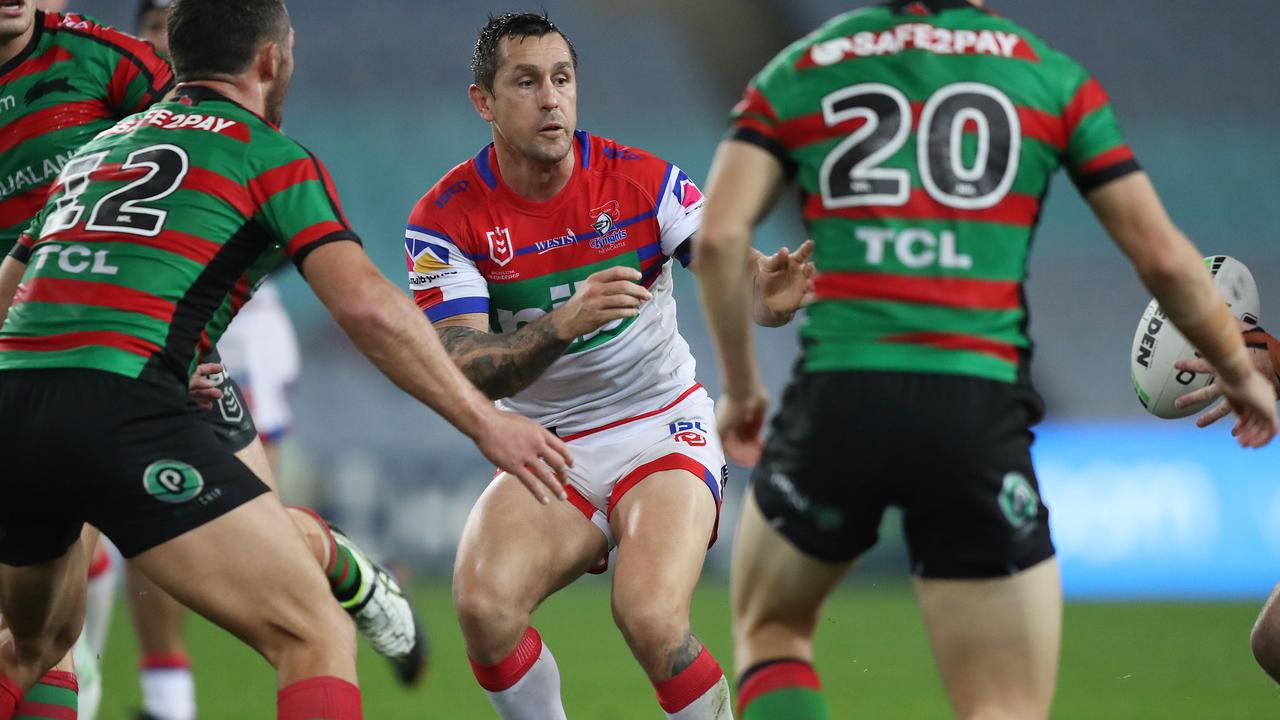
(924, 145)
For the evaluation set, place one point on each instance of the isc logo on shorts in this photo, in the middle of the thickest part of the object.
(689, 432)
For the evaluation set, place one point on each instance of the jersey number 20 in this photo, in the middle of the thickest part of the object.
(852, 176)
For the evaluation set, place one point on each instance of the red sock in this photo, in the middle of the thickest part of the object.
(690, 684)
(319, 698)
(10, 696)
(166, 661)
(509, 670)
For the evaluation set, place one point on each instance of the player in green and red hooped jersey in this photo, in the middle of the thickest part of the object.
(247, 46)
(891, 231)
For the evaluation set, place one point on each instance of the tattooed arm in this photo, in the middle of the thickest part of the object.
(503, 364)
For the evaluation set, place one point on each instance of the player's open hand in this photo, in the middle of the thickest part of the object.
(1257, 342)
(740, 421)
(782, 281)
(1253, 401)
(608, 295)
(519, 446)
(203, 387)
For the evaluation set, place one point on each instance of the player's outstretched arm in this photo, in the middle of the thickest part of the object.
(741, 188)
(503, 364)
(1171, 268)
(390, 330)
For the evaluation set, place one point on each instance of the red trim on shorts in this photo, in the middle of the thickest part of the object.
(692, 683)
(624, 421)
(674, 461)
(319, 698)
(166, 661)
(508, 671)
(101, 563)
(777, 676)
(579, 501)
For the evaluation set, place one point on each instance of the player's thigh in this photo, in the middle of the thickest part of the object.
(663, 526)
(158, 619)
(517, 550)
(996, 641)
(280, 594)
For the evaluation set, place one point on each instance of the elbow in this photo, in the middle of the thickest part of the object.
(363, 317)
(1167, 270)
(718, 242)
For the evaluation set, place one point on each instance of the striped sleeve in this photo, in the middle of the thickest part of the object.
(139, 76)
(297, 202)
(443, 277)
(754, 120)
(1096, 150)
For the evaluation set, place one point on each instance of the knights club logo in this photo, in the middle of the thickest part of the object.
(501, 251)
(605, 217)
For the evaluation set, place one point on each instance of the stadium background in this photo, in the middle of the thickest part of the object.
(1148, 515)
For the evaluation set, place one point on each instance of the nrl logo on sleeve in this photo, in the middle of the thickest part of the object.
(501, 251)
(172, 481)
(686, 192)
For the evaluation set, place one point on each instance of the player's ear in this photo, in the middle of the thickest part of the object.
(269, 62)
(482, 102)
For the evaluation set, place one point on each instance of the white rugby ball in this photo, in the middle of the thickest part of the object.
(1157, 344)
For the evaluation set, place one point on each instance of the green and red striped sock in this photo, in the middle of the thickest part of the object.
(343, 569)
(781, 690)
(55, 697)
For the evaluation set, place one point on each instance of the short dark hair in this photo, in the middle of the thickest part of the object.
(211, 38)
(484, 61)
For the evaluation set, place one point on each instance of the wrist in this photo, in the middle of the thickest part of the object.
(560, 325)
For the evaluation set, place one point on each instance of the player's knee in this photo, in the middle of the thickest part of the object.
(650, 625)
(39, 653)
(309, 624)
(486, 607)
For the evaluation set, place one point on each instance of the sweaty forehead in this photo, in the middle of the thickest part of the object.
(543, 52)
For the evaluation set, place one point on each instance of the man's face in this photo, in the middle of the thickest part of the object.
(279, 89)
(16, 18)
(535, 97)
(154, 28)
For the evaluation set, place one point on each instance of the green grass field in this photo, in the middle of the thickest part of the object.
(1120, 661)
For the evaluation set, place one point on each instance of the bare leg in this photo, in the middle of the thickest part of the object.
(996, 641)
(1265, 638)
(281, 607)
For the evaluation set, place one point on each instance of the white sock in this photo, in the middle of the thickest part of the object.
(712, 705)
(169, 693)
(99, 600)
(89, 679)
(535, 692)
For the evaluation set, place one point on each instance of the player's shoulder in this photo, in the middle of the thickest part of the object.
(454, 194)
(71, 26)
(610, 157)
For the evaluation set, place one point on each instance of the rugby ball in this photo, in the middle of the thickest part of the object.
(1157, 344)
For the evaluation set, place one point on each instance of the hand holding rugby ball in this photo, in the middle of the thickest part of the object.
(1157, 344)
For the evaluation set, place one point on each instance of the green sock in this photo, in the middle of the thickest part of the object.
(55, 697)
(784, 689)
(787, 704)
(347, 572)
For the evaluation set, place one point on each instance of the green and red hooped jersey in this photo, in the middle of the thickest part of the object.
(157, 232)
(74, 79)
(474, 246)
(924, 135)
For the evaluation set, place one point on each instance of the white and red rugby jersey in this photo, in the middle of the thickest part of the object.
(474, 246)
